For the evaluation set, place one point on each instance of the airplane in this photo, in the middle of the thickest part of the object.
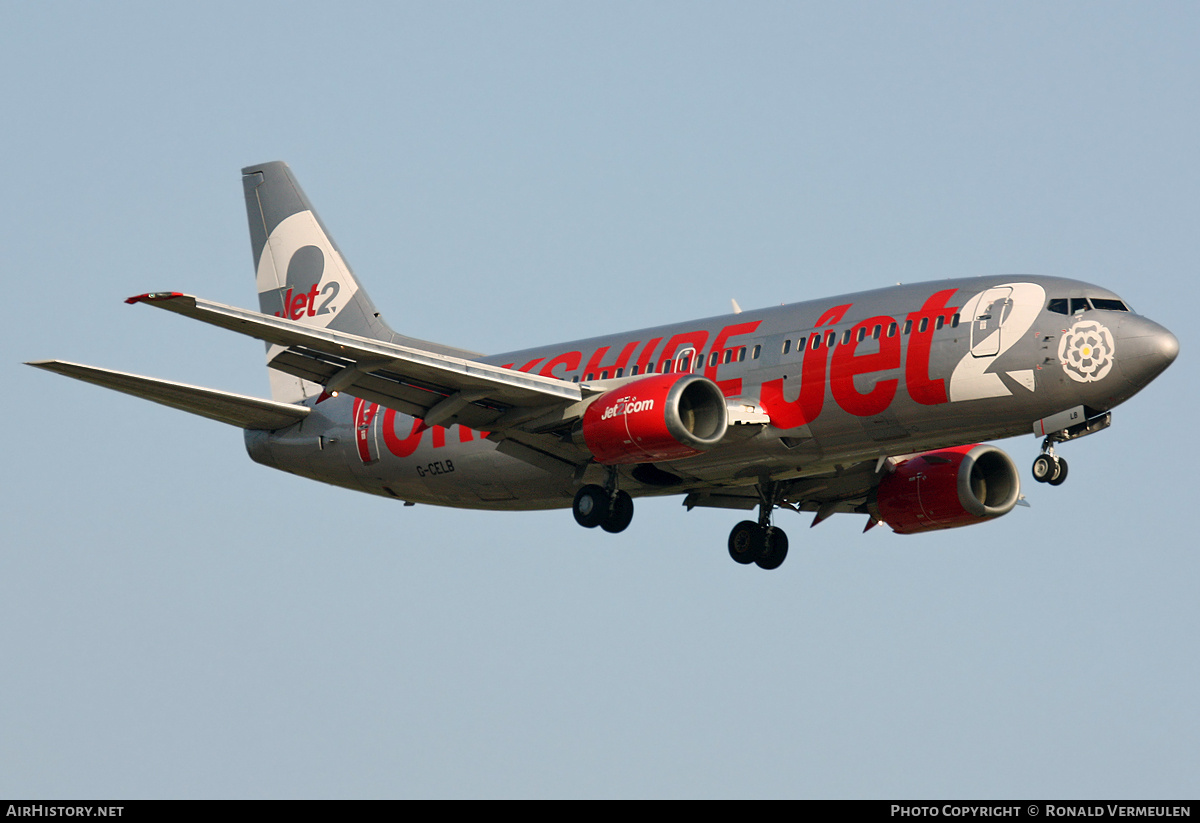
(873, 403)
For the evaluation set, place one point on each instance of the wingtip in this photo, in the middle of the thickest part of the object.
(153, 297)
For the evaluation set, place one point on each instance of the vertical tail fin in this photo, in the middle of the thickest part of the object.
(299, 270)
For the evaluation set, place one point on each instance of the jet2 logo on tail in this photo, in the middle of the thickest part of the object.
(297, 304)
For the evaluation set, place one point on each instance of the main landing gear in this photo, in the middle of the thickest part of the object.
(1048, 467)
(610, 509)
(760, 543)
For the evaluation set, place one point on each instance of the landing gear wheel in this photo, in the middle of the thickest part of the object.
(745, 542)
(776, 549)
(1044, 468)
(620, 513)
(591, 506)
(1061, 474)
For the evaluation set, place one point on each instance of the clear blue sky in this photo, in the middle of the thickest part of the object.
(180, 622)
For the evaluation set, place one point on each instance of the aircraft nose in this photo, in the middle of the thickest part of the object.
(1146, 350)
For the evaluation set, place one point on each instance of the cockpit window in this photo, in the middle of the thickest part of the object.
(1074, 305)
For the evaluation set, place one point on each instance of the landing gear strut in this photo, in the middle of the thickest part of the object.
(1048, 467)
(760, 542)
(608, 508)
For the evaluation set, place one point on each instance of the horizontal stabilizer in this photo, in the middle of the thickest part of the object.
(235, 409)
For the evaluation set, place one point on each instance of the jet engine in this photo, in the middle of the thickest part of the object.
(947, 488)
(658, 417)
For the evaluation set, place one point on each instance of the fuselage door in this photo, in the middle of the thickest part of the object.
(994, 305)
(685, 359)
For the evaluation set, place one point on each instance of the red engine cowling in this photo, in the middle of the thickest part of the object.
(659, 417)
(947, 488)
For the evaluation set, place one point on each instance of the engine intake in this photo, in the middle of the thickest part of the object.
(659, 417)
(946, 489)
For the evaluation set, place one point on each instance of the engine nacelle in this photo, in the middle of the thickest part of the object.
(659, 417)
(947, 488)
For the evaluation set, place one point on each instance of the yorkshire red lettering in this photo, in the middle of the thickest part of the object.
(593, 364)
(920, 344)
(696, 339)
(733, 386)
(400, 446)
(364, 415)
(848, 363)
(570, 360)
(647, 355)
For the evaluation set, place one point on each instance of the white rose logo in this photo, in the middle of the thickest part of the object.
(1086, 351)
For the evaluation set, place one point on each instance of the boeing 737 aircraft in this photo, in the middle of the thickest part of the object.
(873, 403)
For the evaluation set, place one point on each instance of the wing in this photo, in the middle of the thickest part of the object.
(226, 407)
(846, 490)
(516, 407)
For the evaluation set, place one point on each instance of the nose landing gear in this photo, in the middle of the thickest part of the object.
(1048, 467)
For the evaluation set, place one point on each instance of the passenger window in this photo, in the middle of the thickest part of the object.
(845, 337)
(830, 339)
(862, 332)
(907, 326)
(742, 354)
(712, 358)
(604, 374)
(941, 321)
(787, 346)
(924, 325)
(954, 321)
(633, 371)
(758, 350)
(892, 330)
(875, 332)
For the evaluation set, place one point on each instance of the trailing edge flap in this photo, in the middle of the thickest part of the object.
(440, 389)
(226, 407)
